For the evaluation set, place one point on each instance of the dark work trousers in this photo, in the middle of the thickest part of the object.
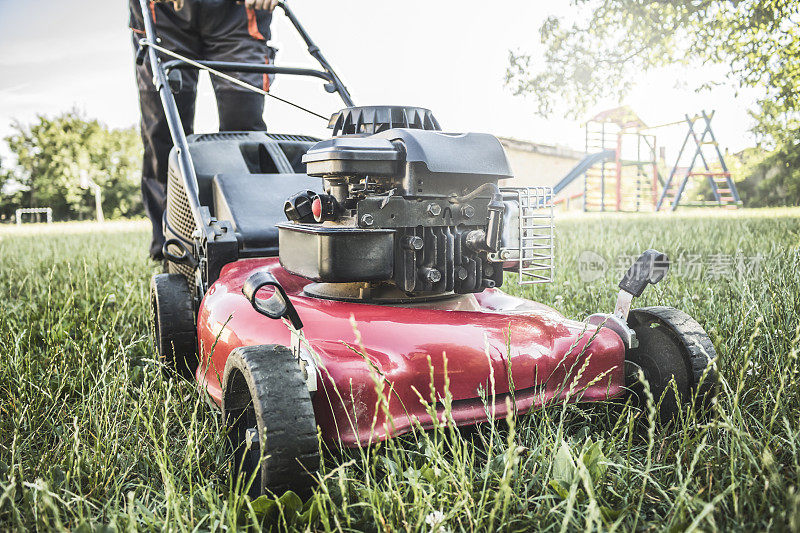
(214, 30)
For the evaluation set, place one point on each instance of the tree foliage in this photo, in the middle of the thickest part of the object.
(614, 41)
(773, 177)
(52, 157)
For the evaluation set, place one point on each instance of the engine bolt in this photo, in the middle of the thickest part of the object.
(434, 210)
(431, 275)
(468, 211)
(367, 219)
(412, 242)
(461, 273)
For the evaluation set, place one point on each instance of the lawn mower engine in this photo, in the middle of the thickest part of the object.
(408, 213)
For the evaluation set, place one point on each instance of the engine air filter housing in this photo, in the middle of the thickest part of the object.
(367, 120)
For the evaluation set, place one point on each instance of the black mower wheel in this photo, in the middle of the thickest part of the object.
(673, 345)
(265, 402)
(174, 326)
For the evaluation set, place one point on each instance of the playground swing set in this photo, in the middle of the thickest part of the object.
(621, 169)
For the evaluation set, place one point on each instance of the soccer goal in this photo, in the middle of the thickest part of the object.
(35, 214)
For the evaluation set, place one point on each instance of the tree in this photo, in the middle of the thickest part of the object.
(54, 156)
(616, 40)
(9, 194)
(772, 178)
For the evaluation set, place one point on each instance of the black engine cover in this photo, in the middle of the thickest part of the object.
(414, 206)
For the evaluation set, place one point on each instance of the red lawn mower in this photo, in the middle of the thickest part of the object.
(306, 278)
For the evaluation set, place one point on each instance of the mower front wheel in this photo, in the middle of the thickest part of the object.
(174, 327)
(270, 420)
(673, 346)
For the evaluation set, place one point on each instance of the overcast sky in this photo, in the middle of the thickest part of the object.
(447, 55)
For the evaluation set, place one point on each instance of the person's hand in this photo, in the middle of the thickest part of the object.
(269, 5)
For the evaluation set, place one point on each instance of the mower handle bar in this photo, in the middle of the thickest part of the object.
(316, 53)
(227, 66)
(327, 73)
(202, 216)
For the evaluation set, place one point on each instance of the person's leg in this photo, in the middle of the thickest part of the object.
(175, 32)
(157, 143)
(240, 111)
(231, 32)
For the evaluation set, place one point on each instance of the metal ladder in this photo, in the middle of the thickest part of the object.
(722, 185)
(599, 180)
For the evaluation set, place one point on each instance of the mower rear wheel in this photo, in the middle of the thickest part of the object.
(266, 404)
(672, 345)
(174, 326)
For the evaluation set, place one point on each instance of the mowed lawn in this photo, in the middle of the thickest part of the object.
(94, 438)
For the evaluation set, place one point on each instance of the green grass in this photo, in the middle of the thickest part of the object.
(92, 437)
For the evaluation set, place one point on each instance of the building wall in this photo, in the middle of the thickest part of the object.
(536, 164)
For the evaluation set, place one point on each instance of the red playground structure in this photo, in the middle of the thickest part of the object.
(623, 170)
